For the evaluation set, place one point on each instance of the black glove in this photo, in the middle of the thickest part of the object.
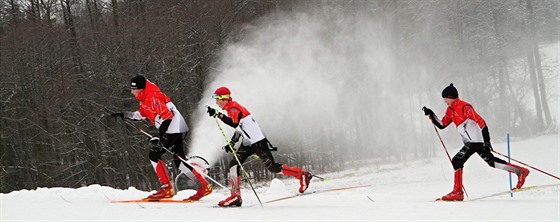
(229, 146)
(212, 112)
(487, 145)
(427, 111)
(119, 114)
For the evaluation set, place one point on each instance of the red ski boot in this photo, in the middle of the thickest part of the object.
(521, 173)
(303, 176)
(304, 181)
(166, 189)
(235, 198)
(457, 193)
(204, 190)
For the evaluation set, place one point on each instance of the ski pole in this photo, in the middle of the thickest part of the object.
(527, 165)
(238, 162)
(128, 122)
(191, 167)
(446, 152)
(448, 156)
(443, 144)
(326, 179)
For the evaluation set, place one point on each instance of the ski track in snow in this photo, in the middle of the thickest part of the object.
(401, 191)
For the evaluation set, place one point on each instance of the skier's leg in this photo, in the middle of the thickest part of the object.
(166, 190)
(175, 142)
(464, 154)
(487, 156)
(458, 162)
(521, 172)
(498, 163)
(234, 174)
(263, 151)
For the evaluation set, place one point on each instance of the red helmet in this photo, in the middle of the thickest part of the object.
(222, 93)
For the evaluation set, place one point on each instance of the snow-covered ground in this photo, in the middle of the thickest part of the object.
(402, 191)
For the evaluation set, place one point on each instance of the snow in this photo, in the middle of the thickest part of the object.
(401, 192)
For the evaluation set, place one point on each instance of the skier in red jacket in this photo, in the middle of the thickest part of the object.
(162, 113)
(476, 139)
(253, 141)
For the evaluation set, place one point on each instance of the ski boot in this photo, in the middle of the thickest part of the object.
(166, 189)
(235, 198)
(204, 189)
(304, 181)
(521, 173)
(303, 176)
(457, 193)
(201, 192)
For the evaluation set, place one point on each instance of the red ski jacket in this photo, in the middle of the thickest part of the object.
(469, 124)
(153, 103)
(459, 111)
(241, 119)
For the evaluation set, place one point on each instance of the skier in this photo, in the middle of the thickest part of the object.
(253, 141)
(162, 113)
(476, 138)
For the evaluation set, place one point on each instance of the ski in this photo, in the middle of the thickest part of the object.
(152, 201)
(535, 187)
(309, 193)
(503, 193)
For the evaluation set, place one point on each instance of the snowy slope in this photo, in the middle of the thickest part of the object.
(403, 191)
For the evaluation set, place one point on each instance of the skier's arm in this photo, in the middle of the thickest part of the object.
(441, 124)
(228, 121)
(435, 120)
(486, 135)
(234, 115)
(133, 115)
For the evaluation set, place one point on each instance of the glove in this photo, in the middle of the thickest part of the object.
(212, 112)
(227, 147)
(427, 111)
(119, 114)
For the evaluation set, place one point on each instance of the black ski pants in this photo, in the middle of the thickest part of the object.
(173, 141)
(469, 149)
(262, 150)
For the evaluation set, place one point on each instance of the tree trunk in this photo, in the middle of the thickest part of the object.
(532, 73)
(535, 51)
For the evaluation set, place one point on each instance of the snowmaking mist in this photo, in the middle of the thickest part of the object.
(317, 81)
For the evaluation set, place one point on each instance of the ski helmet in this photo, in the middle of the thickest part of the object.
(222, 93)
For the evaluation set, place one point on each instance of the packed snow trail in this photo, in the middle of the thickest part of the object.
(401, 191)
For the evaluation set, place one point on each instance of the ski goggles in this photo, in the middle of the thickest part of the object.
(220, 97)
